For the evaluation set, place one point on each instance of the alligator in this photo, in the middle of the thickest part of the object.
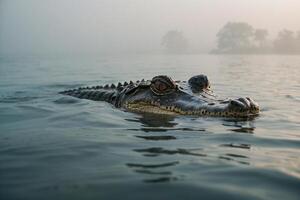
(165, 96)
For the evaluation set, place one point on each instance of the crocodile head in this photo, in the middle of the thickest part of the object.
(193, 97)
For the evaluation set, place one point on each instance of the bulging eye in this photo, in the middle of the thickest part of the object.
(161, 85)
(199, 83)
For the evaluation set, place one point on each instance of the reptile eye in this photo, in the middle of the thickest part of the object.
(161, 85)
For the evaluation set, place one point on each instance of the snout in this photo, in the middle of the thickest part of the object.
(243, 105)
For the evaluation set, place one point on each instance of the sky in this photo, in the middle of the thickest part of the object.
(33, 27)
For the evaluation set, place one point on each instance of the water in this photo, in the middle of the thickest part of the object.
(58, 147)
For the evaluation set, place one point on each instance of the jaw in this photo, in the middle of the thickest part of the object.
(229, 109)
(149, 108)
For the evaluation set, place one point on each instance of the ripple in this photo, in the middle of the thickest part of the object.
(242, 146)
(154, 129)
(288, 96)
(159, 137)
(66, 100)
(143, 171)
(161, 180)
(63, 85)
(146, 166)
(243, 130)
(232, 159)
(158, 150)
(236, 155)
(15, 99)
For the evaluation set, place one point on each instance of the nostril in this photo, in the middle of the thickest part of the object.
(245, 102)
(235, 103)
(253, 104)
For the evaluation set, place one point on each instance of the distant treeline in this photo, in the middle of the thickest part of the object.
(175, 42)
(242, 38)
(239, 38)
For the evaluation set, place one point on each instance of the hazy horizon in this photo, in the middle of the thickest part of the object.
(118, 26)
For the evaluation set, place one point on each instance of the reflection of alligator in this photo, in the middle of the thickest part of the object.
(165, 96)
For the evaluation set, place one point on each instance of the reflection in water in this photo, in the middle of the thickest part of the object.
(165, 129)
(159, 123)
(155, 120)
(232, 159)
(152, 124)
(159, 137)
(156, 151)
(242, 146)
(236, 155)
(243, 130)
(245, 125)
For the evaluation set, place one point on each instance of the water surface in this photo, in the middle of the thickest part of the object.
(59, 147)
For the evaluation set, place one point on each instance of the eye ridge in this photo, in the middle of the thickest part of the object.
(161, 88)
(161, 85)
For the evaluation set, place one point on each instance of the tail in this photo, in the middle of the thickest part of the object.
(94, 93)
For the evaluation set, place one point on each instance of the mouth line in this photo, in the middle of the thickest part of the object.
(155, 107)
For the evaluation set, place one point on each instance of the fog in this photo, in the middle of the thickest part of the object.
(58, 27)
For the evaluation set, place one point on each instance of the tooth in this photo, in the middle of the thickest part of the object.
(130, 82)
(119, 85)
(106, 86)
(125, 83)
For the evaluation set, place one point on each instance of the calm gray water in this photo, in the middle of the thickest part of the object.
(58, 147)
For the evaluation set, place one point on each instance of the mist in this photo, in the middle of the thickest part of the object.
(59, 27)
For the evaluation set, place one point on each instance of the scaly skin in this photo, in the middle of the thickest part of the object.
(165, 96)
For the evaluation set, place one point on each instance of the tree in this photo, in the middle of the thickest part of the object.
(285, 42)
(175, 42)
(298, 41)
(260, 35)
(235, 37)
